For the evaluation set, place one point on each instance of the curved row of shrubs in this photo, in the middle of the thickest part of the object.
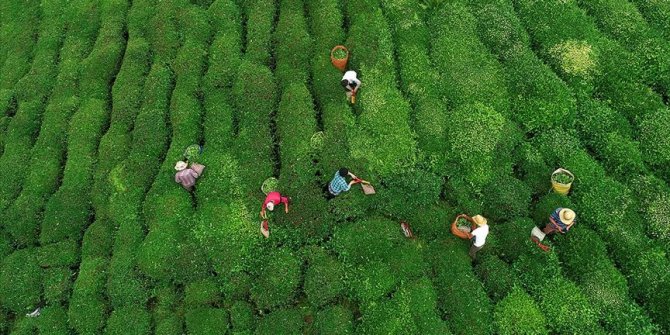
(167, 208)
(601, 199)
(596, 66)
(498, 19)
(64, 218)
(623, 22)
(43, 172)
(21, 24)
(30, 75)
(382, 138)
(45, 166)
(418, 77)
(657, 14)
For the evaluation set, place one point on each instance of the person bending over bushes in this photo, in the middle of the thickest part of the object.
(273, 199)
(339, 183)
(351, 84)
(186, 175)
(560, 221)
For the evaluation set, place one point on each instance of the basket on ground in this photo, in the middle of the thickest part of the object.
(338, 59)
(561, 181)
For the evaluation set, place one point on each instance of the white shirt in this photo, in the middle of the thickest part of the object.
(351, 77)
(480, 234)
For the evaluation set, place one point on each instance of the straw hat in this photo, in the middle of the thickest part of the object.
(180, 165)
(567, 215)
(479, 220)
(270, 206)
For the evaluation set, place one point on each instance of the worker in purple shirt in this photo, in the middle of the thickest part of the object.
(186, 175)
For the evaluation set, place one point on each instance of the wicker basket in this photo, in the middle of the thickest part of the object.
(561, 188)
(459, 233)
(340, 64)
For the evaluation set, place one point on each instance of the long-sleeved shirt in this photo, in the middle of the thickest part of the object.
(187, 177)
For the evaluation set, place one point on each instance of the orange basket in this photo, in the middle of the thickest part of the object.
(459, 233)
(340, 64)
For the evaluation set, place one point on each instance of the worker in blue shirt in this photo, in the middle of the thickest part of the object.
(339, 183)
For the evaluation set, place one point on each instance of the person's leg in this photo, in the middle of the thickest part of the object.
(473, 251)
(327, 193)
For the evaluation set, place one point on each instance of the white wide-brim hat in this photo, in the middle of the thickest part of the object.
(180, 165)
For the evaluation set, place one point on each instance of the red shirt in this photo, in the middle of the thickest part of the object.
(275, 198)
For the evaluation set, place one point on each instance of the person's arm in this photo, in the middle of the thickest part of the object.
(358, 85)
(286, 206)
(352, 175)
(263, 215)
(472, 234)
(176, 178)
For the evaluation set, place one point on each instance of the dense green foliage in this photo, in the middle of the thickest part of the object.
(466, 106)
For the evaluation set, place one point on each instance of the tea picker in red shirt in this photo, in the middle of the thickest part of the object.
(272, 199)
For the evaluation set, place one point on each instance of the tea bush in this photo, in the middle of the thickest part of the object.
(120, 320)
(383, 137)
(281, 322)
(45, 169)
(87, 307)
(417, 76)
(324, 277)
(461, 297)
(477, 130)
(57, 285)
(20, 281)
(292, 42)
(278, 275)
(334, 320)
(469, 72)
(202, 321)
(623, 22)
(497, 277)
(53, 320)
(241, 317)
(576, 314)
(259, 20)
(255, 97)
(65, 218)
(518, 313)
(31, 85)
(657, 15)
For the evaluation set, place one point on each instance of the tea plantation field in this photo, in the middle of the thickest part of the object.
(466, 106)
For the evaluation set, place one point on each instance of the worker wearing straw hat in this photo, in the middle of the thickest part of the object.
(560, 221)
(186, 175)
(478, 236)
